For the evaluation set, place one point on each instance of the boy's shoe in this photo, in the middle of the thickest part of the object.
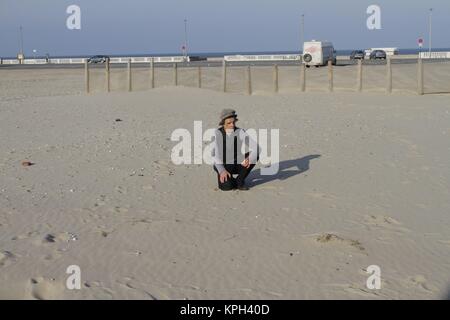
(243, 187)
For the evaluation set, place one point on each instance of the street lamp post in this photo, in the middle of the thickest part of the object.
(429, 45)
(20, 55)
(185, 40)
(21, 40)
(302, 32)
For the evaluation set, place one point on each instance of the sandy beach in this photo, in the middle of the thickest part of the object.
(364, 180)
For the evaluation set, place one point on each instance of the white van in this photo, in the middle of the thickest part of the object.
(318, 53)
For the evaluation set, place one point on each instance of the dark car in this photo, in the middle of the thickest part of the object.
(378, 54)
(197, 58)
(98, 59)
(357, 54)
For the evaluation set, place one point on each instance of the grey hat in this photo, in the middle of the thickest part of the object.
(227, 113)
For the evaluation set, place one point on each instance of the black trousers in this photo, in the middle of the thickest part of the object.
(231, 182)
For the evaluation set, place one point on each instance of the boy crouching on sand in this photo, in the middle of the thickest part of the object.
(229, 140)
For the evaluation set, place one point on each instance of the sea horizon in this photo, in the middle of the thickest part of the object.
(216, 54)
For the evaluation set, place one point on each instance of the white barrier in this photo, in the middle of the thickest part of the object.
(435, 55)
(176, 59)
(35, 61)
(112, 60)
(169, 59)
(275, 57)
(148, 59)
(67, 61)
(10, 61)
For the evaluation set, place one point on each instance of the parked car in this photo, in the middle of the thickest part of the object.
(196, 58)
(377, 54)
(357, 54)
(98, 59)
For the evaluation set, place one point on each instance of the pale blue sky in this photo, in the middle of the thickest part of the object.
(138, 26)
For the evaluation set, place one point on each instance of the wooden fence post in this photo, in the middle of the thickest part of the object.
(330, 76)
(86, 75)
(249, 80)
(152, 73)
(107, 70)
(129, 76)
(359, 76)
(420, 89)
(175, 74)
(275, 78)
(389, 75)
(224, 76)
(199, 73)
(302, 77)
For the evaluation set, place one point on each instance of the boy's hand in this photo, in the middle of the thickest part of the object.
(246, 163)
(224, 176)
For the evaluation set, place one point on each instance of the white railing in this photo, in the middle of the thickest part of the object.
(169, 59)
(67, 60)
(35, 61)
(112, 60)
(148, 59)
(275, 57)
(10, 61)
(435, 55)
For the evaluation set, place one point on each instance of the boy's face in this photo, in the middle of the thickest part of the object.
(229, 123)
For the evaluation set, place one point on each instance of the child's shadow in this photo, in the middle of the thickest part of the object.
(284, 170)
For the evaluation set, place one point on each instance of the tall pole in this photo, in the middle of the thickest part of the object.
(431, 11)
(21, 41)
(302, 32)
(185, 39)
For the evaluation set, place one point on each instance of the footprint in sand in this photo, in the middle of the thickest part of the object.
(355, 290)
(98, 291)
(359, 290)
(419, 281)
(103, 231)
(6, 258)
(329, 238)
(385, 222)
(321, 196)
(134, 290)
(25, 236)
(447, 242)
(60, 237)
(45, 289)
(53, 256)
